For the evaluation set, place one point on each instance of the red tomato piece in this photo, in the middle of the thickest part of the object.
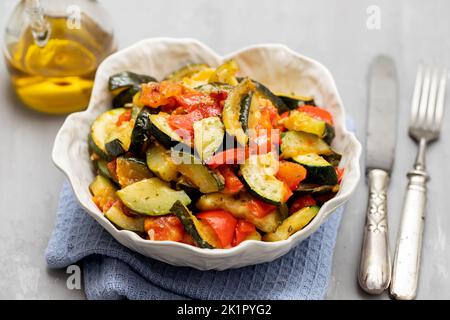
(318, 113)
(291, 173)
(229, 156)
(112, 167)
(243, 229)
(124, 117)
(260, 208)
(302, 202)
(185, 121)
(164, 228)
(191, 101)
(340, 173)
(232, 183)
(160, 94)
(222, 222)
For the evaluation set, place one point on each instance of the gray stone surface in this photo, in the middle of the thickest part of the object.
(333, 32)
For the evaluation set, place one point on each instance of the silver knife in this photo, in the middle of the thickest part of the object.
(375, 267)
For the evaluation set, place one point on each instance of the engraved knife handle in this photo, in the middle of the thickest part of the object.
(405, 273)
(375, 267)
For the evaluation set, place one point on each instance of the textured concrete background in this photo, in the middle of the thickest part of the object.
(333, 32)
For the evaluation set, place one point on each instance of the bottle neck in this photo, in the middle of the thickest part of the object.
(39, 25)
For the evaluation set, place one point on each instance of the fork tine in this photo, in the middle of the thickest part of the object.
(439, 114)
(422, 112)
(431, 106)
(416, 95)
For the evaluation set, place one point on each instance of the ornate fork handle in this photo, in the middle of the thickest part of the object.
(375, 267)
(409, 243)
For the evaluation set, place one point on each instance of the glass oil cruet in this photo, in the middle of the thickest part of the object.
(53, 48)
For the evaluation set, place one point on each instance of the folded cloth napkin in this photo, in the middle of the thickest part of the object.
(112, 271)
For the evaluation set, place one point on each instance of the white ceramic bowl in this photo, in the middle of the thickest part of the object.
(274, 65)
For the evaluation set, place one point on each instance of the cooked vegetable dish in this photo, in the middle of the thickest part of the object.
(211, 159)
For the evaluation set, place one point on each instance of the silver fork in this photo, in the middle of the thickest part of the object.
(427, 112)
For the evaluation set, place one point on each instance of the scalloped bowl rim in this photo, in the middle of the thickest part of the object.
(294, 239)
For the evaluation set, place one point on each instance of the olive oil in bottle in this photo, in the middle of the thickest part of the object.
(57, 76)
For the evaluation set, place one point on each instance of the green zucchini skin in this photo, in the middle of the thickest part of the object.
(192, 191)
(255, 194)
(125, 96)
(318, 170)
(294, 143)
(294, 103)
(214, 87)
(245, 110)
(140, 136)
(130, 170)
(162, 137)
(321, 175)
(188, 221)
(329, 134)
(205, 179)
(334, 159)
(103, 170)
(92, 146)
(232, 108)
(114, 148)
(277, 102)
(258, 176)
(316, 188)
(127, 79)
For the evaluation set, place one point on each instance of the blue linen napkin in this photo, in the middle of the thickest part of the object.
(112, 271)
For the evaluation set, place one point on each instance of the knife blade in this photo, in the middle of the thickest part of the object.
(374, 273)
(382, 114)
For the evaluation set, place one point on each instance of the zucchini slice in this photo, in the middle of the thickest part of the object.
(232, 111)
(102, 185)
(258, 174)
(130, 170)
(334, 159)
(140, 136)
(301, 121)
(225, 73)
(102, 169)
(202, 234)
(318, 170)
(266, 93)
(294, 143)
(103, 192)
(125, 96)
(205, 179)
(215, 87)
(102, 130)
(297, 221)
(317, 188)
(160, 163)
(127, 79)
(151, 196)
(245, 111)
(115, 148)
(161, 130)
(182, 183)
(293, 101)
(121, 220)
(186, 71)
(208, 136)
(237, 206)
